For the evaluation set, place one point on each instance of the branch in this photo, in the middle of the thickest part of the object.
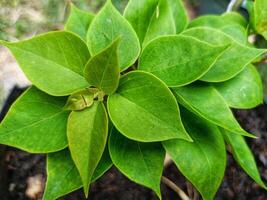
(234, 5)
(175, 188)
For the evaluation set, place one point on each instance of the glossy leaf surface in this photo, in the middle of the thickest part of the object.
(244, 90)
(140, 162)
(144, 109)
(203, 161)
(205, 101)
(170, 58)
(87, 134)
(36, 123)
(108, 25)
(103, 70)
(53, 62)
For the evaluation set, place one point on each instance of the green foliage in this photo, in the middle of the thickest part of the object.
(79, 73)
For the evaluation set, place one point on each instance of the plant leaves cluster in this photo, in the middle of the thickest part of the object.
(124, 89)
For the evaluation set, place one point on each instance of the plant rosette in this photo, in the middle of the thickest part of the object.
(124, 89)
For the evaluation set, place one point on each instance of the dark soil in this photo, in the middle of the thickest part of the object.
(114, 186)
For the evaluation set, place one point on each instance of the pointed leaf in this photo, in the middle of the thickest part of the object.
(87, 134)
(243, 156)
(203, 161)
(63, 176)
(79, 21)
(53, 62)
(139, 14)
(107, 25)
(162, 18)
(232, 61)
(205, 101)
(179, 14)
(170, 57)
(140, 162)
(103, 70)
(36, 123)
(144, 109)
(233, 29)
(244, 91)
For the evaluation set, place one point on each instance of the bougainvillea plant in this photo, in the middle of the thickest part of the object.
(126, 89)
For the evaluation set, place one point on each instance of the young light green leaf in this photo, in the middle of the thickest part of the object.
(63, 176)
(36, 123)
(107, 25)
(60, 56)
(79, 21)
(87, 132)
(203, 161)
(103, 70)
(139, 14)
(140, 162)
(260, 17)
(179, 14)
(232, 61)
(162, 18)
(233, 29)
(144, 109)
(235, 17)
(171, 57)
(243, 156)
(244, 91)
(205, 101)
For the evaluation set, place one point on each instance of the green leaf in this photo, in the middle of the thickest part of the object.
(53, 62)
(140, 162)
(171, 57)
(144, 109)
(36, 123)
(179, 14)
(232, 61)
(233, 29)
(235, 17)
(63, 176)
(203, 161)
(79, 21)
(205, 101)
(87, 134)
(139, 14)
(260, 17)
(244, 91)
(162, 18)
(107, 25)
(243, 156)
(103, 70)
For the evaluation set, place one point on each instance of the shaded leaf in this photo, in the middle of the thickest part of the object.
(63, 176)
(53, 62)
(144, 109)
(205, 101)
(171, 57)
(260, 17)
(103, 70)
(79, 21)
(244, 91)
(107, 25)
(232, 61)
(140, 162)
(235, 17)
(87, 134)
(243, 156)
(36, 123)
(203, 161)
